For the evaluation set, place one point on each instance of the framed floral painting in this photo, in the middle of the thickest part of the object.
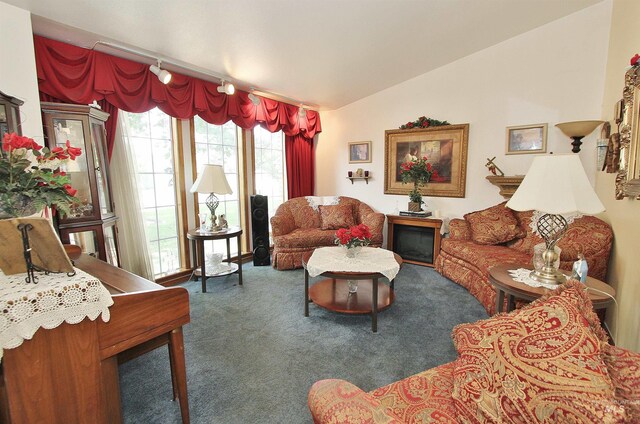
(446, 150)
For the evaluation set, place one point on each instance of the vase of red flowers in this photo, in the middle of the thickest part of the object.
(419, 172)
(353, 239)
(31, 179)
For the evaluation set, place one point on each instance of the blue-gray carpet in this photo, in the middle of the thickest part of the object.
(252, 355)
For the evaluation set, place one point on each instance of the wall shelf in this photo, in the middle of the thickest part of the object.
(359, 178)
(507, 184)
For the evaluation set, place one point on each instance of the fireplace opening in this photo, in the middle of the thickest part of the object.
(414, 243)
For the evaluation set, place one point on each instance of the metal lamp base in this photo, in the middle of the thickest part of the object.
(553, 277)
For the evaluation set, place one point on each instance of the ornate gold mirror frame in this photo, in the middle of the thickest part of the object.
(628, 178)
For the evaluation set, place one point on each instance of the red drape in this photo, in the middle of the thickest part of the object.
(300, 166)
(77, 75)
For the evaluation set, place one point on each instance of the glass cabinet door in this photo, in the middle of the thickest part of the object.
(72, 130)
(99, 159)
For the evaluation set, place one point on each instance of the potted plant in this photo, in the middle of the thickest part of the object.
(419, 172)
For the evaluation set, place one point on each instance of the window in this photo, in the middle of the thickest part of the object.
(269, 178)
(218, 145)
(151, 137)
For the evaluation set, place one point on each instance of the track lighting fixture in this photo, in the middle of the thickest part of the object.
(163, 75)
(302, 111)
(254, 99)
(226, 88)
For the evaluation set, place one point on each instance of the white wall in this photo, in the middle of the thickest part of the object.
(624, 215)
(18, 67)
(552, 74)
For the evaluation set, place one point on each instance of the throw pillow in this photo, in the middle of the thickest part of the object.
(493, 225)
(336, 216)
(539, 364)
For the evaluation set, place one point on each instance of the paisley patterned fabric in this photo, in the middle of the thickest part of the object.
(545, 363)
(421, 398)
(338, 216)
(624, 370)
(338, 401)
(468, 263)
(493, 225)
(540, 364)
(296, 229)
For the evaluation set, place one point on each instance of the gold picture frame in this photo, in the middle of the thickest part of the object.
(359, 152)
(446, 149)
(526, 139)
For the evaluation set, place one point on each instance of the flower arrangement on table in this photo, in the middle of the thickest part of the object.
(423, 122)
(419, 172)
(353, 237)
(31, 179)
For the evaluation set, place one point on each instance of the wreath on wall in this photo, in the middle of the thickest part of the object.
(423, 122)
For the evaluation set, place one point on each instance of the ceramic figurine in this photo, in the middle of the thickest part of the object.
(580, 269)
(223, 222)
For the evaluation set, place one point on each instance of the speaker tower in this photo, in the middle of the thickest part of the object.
(260, 230)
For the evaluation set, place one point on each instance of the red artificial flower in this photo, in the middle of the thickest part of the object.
(409, 124)
(70, 190)
(357, 232)
(365, 230)
(13, 141)
(58, 153)
(635, 59)
(73, 152)
(428, 166)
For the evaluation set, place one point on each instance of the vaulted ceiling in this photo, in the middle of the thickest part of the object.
(322, 53)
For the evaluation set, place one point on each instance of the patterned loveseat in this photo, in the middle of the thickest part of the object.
(547, 362)
(498, 235)
(304, 223)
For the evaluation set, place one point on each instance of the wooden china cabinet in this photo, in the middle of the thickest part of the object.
(92, 223)
(9, 114)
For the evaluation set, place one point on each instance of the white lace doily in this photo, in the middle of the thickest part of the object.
(533, 224)
(315, 201)
(57, 298)
(522, 275)
(370, 259)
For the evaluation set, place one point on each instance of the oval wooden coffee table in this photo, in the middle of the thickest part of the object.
(333, 294)
(505, 285)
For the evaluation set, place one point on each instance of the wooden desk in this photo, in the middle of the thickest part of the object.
(70, 374)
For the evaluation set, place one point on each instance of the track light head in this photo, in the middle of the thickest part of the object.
(302, 111)
(226, 88)
(163, 75)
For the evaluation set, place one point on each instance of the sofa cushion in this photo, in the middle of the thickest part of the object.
(539, 364)
(493, 225)
(421, 398)
(336, 216)
(305, 238)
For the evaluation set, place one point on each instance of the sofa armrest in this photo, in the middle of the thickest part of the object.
(281, 225)
(459, 229)
(624, 369)
(338, 401)
(373, 220)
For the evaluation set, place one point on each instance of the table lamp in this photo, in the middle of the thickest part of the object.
(212, 180)
(577, 130)
(555, 185)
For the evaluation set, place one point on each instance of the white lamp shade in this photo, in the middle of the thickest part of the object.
(556, 184)
(211, 180)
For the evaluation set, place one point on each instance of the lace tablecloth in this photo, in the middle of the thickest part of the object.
(522, 275)
(57, 298)
(370, 259)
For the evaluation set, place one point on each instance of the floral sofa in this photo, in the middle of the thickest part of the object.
(496, 235)
(304, 223)
(547, 362)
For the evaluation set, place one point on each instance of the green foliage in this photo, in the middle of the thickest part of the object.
(423, 122)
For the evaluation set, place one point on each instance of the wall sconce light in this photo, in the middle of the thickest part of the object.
(254, 99)
(226, 88)
(163, 75)
(577, 130)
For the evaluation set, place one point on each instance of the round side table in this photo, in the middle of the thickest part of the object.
(197, 239)
(505, 285)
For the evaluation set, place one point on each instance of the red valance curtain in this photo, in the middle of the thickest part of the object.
(300, 165)
(77, 75)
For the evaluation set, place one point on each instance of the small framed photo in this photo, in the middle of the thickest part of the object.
(524, 139)
(359, 151)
